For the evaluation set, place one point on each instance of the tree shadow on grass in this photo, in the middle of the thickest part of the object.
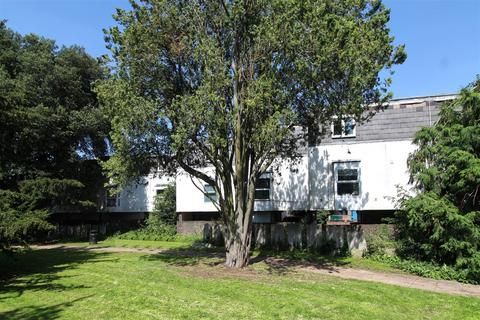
(276, 262)
(285, 262)
(33, 312)
(188, 257)
(39, 270)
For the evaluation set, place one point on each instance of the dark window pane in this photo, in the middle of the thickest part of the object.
(347, 174)
(263, 183)
(112, 201)
(348, 188)
(337, 128)
(262, 194)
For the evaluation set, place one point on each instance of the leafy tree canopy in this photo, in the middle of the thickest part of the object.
(442, 223)
(227, 84)
(49, 124)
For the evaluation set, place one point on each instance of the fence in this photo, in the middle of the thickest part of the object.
(291, 235)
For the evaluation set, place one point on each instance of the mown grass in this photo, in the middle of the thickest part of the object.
(112, 242)
(81, 284)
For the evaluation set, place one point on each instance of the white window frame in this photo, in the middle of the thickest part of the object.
(210, 195)
(268, 177)
(159, 189)
(353, 165)
(343, 134)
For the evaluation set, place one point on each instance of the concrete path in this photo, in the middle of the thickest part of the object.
(397, 279)
(402, 280)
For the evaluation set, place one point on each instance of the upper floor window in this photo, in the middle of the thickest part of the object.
(343, 127)
(262, 189)
(112, 199)
(209, 193)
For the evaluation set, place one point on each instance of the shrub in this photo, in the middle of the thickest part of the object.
(161, 222)
(378, 242)
(165, 208)
(428, 270)
(431, 228)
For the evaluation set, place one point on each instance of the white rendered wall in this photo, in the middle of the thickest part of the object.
(289, 190)
(309, 185)
(383, 165)
(140, 197)
(189, 197)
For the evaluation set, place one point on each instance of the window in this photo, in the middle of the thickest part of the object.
(112, 199)
(347, 181)
(210, 193)
(262, 189)
(343, 128)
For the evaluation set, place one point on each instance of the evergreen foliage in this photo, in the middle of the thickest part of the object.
(228, 85)
(165, 207)
(442, 223)
(49, 126)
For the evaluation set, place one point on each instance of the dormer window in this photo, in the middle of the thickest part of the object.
(343, 127)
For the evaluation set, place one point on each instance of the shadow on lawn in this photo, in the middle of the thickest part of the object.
(284, 262)
(35, 270)
(188, 257)
(276, 262)
(39, 312)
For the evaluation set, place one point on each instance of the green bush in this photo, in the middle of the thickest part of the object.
(432, 228)
(378, 242)
(428, 270)
(161, 222)
(158, 233)
(441, 225)
(165, 208)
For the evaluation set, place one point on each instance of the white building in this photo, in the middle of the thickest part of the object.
(353, 168)
(356, 168)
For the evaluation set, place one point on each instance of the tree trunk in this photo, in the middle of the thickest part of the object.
(238, 231)
(237, 245)
(238, 252)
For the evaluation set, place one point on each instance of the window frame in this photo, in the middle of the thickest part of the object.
(209, 196)
(343, 122)
(353, 165)
(266, 177)
(112, 198)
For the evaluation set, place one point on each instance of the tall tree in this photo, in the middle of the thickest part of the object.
(49, 124)
(226, 83)
(442, 222)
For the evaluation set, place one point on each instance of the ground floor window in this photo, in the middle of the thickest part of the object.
(347, 178)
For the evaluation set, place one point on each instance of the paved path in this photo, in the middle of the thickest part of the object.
(402, 280)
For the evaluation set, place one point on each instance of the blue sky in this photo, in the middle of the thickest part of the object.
(441, 36)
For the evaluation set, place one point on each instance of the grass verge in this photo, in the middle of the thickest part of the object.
(81, 284)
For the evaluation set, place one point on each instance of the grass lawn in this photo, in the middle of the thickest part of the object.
(112, 242)
(81, 284)
(353, 262)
